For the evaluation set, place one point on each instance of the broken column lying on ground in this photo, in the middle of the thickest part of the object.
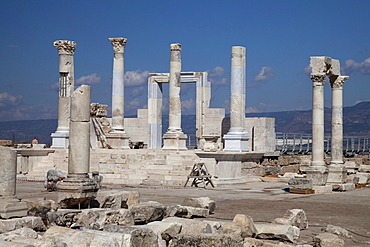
(78, 188)
(236, 140)
(117, 137)
(10, 206)
(175, 139)
(66, 51)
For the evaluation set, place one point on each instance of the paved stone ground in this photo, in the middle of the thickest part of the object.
(263, 201)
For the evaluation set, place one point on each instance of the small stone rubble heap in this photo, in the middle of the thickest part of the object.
(122, 220)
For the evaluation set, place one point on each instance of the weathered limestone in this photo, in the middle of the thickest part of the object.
(294, 217)
(78, 188)
(273, 231)
(10, 206)
(337, 171)
(328, 240)
(200, 202)
(175, 139)
(118, 138)
(186, 211)
(236, 140)
(155, 96)
(117, 199)
(66, 51)
(147, 212)
(32, 222)
(247, 225)
(139, 236)
(204, 240)
(190, 226)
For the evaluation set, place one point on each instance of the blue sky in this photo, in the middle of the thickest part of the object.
(280, 37)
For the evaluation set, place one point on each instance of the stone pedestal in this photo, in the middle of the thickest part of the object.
(318, 175)
(118, 140)
(236, 140)
(78, 189)
(175, 139)
(337, 174)
(10, 206)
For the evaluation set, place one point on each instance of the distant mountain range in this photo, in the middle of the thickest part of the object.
(356, 123)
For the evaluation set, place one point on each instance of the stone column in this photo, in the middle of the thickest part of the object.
(318, 171)
(78, 188)
(175, 139)
(155, 96)
(236, 140)
(118, 137)
(66, 51)
(337, 172)
(10, 206)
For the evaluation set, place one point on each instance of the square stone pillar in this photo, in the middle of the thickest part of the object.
(155, 96)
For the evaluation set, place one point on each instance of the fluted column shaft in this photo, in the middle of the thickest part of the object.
(118, 45)
(174, 88)
(318, 81)
(337, 119)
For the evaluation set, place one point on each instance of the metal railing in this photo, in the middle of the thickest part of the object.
(295, 143)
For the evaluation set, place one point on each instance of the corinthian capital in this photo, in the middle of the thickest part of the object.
(118, 44)
(175, 47)
(318, 79)
(338, 82)
(65, 47)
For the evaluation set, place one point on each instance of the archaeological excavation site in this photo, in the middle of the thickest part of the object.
(116, 181)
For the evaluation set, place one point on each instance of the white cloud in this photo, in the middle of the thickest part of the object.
(135, 92)
(351, 65)
(8, 100)
(251, 110)
(265, 74)
(219, 82)
(307, 70)
(136, 78)
(89, 79)
(188, 106)
(216, 72)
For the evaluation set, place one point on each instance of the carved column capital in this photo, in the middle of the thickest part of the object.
(118, 44)
(175, 47)
(338, 81)
(65, 47)
(318, 79)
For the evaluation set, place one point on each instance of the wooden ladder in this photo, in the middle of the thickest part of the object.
(200, 174)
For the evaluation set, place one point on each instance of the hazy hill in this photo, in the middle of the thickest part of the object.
(356, 122)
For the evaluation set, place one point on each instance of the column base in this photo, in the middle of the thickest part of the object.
(236, 141)
(337, 174)
(76, 191)
(210, 144)
(174, 140)
(60, 139)
(318, 175)
(118, 139)
(12, 207)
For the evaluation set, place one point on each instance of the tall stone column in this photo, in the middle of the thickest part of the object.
(66, 51)
(78, 188)
(318, 171)
(118, 137)
(236, 140)
(175, 139)
(155, 96)
(337, 172)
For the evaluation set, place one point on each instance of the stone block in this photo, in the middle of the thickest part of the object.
(352, 179)
(338, 231)
(247, 225)
(10, 208)
(351, 166)
(364, 168)
(322, 189)
(364, 177)
(97, 218)
(328, 240)
(215, 225)
(190, 226)
(117, 199)
(23, 232)
(144, 237)
(294, 217)
(200, 202)
(13, 244)
(186, 212)
(300, 183)
(167, 230)
(147, 212)
(231, 228)
(32, 222)
(40, 207)
(61, 236)
(205, 240)
(274, 231)
(62, 217)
